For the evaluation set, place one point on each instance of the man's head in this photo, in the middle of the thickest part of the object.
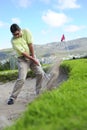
(15, 30)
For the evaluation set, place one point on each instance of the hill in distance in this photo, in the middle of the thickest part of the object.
(76, 46)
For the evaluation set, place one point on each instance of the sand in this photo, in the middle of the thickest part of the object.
(9, 113)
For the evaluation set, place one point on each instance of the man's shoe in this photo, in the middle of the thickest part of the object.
(10, 101)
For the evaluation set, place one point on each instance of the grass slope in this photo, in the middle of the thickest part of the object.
(64, 108)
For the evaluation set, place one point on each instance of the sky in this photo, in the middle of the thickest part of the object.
(46, 19)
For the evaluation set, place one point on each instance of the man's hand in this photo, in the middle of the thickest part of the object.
(31, 58)
(35, 60)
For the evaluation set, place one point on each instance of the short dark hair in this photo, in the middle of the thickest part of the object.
(14, 27)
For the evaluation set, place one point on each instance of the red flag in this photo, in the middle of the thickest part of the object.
(62, 38)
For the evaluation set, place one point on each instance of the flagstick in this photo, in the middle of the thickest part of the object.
(66, 46)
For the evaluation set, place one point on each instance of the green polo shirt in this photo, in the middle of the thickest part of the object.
(20, 44)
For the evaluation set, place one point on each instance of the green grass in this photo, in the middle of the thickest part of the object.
(9, 75)
(64, 108)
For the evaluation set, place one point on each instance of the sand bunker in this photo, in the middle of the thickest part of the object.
(10, 112)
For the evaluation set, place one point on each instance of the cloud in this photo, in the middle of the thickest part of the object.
(66, 4)
(54, 19)
(44, 32)
(3, 24)
(45, 1)
(73, 28)
(16, 20)
(22, 3)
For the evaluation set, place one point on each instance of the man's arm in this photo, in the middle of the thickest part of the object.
(31, 49)
(30, 57)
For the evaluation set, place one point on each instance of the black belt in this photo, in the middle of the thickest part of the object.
(22, 57)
